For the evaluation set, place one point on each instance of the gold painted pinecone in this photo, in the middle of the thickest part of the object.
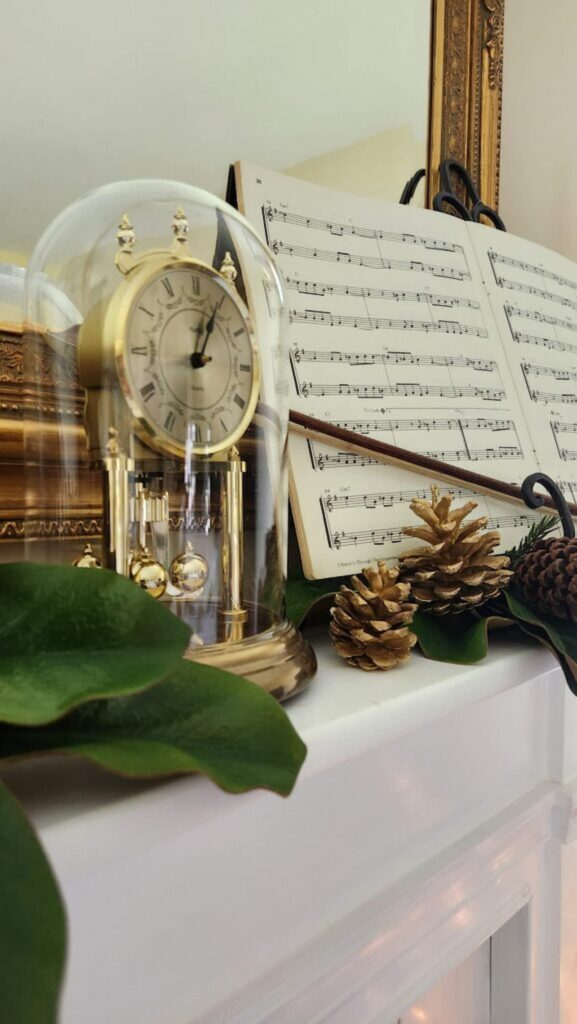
(547, 577)
(370, 617)
(457, 569)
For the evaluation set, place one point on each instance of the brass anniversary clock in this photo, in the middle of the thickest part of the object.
(163, 456)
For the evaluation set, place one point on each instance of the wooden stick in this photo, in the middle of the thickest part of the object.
(349, 440)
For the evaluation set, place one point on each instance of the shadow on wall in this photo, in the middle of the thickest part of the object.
(377, 166)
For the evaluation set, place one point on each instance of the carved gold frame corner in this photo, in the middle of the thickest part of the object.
(466, 91)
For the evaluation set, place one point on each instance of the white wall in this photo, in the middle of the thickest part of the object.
(539, 141)
(115, 89)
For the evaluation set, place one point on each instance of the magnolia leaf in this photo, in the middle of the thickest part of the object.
(459, 639)
(558, 635)
(32, 923)
(304, 595)
(70, 635)
(567, 665)
(201, 719)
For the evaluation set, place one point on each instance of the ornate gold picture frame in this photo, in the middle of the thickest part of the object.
(465, 91)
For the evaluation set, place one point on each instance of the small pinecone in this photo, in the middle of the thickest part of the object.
(547, 577)
(370, 617)
(457, 569)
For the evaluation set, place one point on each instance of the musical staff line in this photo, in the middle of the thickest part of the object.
(559, 428)
(541, 293)
(530, 268)
(369, 323)
(386, 499)
(302, 355)
(542, 318)
(569, 488)
(344, 460)
(563, 428)
(374, 426)
(300, 220)
(307, 389)
(548, 371)
(356, 291)
(374, 262)
(551, 397)
(552, 345)
(341, 538)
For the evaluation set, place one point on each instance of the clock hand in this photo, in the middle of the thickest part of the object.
(197, 331)
(199, 358)
(210, 327)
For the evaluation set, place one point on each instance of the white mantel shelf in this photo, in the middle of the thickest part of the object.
(435, 802)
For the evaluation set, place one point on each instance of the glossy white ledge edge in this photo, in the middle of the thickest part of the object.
(343, 713)
(87, 818)
(347, 711)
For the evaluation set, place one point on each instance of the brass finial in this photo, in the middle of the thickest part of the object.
(113, 444)
(87, 560)
(229, 271)
(180, 228)
(126, 239)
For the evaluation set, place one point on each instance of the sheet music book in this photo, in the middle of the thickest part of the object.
(444, 337)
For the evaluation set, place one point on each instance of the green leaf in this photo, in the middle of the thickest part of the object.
(32, 923)
(70, 635)
(201, 719)
(459, 639)
(302, 595)
(562, 635)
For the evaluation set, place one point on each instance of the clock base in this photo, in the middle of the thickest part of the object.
(279, 660)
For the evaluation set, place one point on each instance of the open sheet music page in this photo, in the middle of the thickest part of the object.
(533, 292)
(390, 334)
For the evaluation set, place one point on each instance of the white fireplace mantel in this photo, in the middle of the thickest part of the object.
(436, 804)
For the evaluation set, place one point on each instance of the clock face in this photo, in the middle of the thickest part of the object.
(187, 360)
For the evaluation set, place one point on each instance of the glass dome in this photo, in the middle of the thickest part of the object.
(156, 421)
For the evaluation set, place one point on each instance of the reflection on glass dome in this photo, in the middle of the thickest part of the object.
(156, 425)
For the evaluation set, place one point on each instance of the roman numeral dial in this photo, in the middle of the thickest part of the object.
(189, 363)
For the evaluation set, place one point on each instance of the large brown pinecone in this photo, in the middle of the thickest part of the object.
(547, 577)
(457, 569)
(369, 620)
